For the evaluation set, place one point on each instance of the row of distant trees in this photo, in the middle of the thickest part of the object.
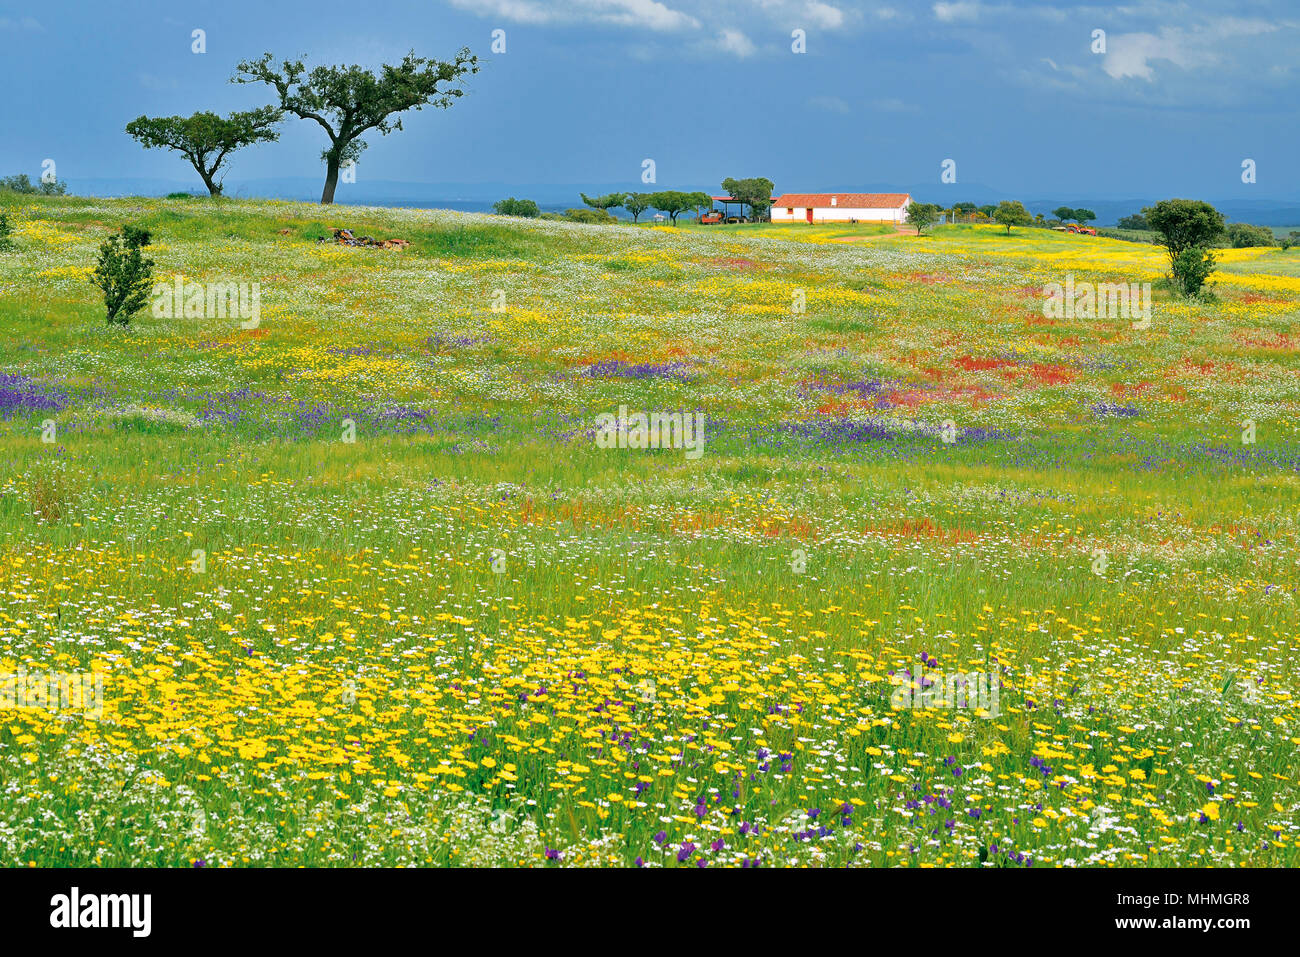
(1186, 228)
(754, 192)
(1007, 213)
(22, 184)
(344, 101)
(671, 202)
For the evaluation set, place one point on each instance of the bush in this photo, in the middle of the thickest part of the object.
(591, 216)
(1242, 235)
(123, 274)
(22, 184)
(1191, 268)
(5, 230)
(517, 207)
(1136, 221)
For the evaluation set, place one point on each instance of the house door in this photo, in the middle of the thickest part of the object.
(810, 214)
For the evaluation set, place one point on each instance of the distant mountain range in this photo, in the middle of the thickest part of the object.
(559, 196)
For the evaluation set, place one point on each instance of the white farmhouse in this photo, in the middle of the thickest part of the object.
(841, 207)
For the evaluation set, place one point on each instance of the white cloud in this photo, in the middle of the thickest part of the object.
(650, 14)
(1132, 54)
(952, 12)
(733, 41)
(828, 104)
(824, 15)
(26, 23)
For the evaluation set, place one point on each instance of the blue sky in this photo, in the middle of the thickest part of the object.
(587, 89)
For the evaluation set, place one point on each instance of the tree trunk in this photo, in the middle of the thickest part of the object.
(331, 178)
(213, 188)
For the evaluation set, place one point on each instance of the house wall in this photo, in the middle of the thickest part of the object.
(839, 214)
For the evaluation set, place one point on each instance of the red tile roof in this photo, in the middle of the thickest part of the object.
(851, 200)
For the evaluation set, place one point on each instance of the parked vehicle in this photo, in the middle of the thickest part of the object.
(711, 217)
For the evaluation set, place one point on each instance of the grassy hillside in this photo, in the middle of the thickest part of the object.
(473, 635)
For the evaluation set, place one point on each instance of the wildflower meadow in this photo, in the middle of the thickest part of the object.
(543, 544)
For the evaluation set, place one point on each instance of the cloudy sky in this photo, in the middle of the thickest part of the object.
(586, 90)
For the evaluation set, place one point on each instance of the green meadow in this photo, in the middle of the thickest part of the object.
(350, 577)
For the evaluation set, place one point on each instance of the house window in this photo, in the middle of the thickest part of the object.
(789, 210)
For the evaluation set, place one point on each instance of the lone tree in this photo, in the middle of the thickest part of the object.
(1064, 212)
(206, 139)
(348, 101)
(636, 203)
(1084, 216)
(921, 215)
(673, 202)
(1012, 212)
(1186, 228)
(755, 192)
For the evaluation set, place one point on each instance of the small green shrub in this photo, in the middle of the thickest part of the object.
(123, 274)
(1191, 268)
(5, 231)
(591, 216)
(517, 207)
(1243, 235)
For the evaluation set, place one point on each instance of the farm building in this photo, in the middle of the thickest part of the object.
(840, 207)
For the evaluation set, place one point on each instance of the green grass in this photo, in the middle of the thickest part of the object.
(473, 635)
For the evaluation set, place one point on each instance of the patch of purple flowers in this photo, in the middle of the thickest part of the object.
(618, 369)
(18, 394)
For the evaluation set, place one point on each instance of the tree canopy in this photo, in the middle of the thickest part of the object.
(673, 202)
(755, 192)
(921, 215)
(517, 207)
(206, 139)
(606, 202)
(349, 101)
(1184, 224)
(637, 203)
(1012, 212)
